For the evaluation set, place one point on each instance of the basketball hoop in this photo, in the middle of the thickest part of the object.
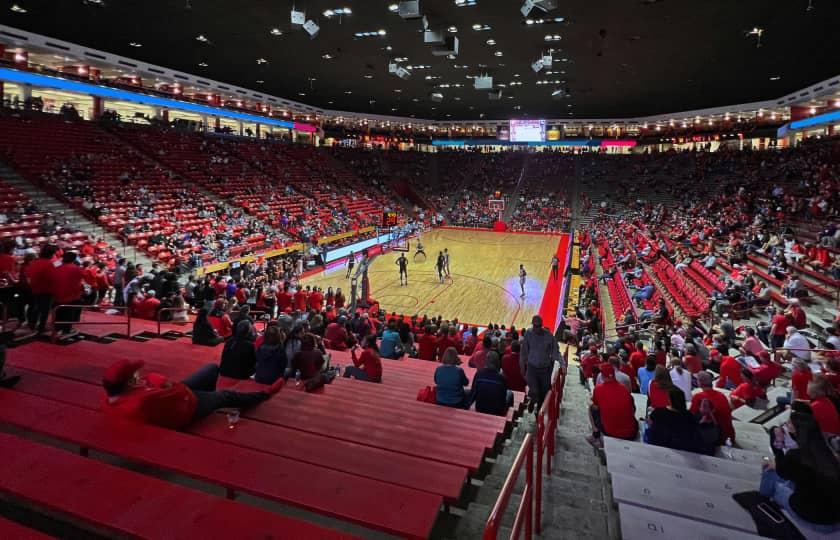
(497, 206)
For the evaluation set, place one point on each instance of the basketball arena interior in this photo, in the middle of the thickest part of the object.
(448, 269)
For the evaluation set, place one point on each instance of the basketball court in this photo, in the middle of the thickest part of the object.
(484, 282)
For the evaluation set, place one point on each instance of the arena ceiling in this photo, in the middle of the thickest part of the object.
(611, 59)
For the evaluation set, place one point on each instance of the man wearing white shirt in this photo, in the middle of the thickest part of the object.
(678, 341)
(795, 340)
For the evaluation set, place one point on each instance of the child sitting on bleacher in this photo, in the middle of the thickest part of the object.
(159, 401)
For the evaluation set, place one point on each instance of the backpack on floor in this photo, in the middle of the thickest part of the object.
(427, 394)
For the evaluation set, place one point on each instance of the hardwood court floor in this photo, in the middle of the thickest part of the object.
(485, 277)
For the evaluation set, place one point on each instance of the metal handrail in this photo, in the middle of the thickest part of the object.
(170, 310)
(525, 510)
(54, 333)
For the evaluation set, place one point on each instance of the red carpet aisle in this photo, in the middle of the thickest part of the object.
(553, 288)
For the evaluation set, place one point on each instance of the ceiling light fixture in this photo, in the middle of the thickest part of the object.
(202, 64)
(481, 27)
(498, 53)
(262, 61)
(552, 37)
(775, 78)
(452, 29)
(394, 8)
(465, 3)
(377, 33)
(491, 42)
(202, 38)
(276, 32)
(135, 44)
(757, 32)
(17, 9)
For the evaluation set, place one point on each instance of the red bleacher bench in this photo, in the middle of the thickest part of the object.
(16, 531)
(389, 508)
(118, 502)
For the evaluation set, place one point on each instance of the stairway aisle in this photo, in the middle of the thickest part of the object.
(50, 204)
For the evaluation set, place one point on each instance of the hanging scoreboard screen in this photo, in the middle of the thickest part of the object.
(527, 131)
(389, 219)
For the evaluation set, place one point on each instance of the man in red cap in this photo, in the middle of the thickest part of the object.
(157, 400)
(612, 412)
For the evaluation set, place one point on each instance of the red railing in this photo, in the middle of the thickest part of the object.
(525, 511)
(547, 419)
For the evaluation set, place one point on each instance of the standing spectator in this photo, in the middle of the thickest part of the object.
(38, 274)
(538, 355)
(66, 285)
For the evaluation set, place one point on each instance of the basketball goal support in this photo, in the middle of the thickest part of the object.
(497, 206)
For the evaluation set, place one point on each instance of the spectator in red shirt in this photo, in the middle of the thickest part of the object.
(480, 355)
(159, 401)
(37, 274)
(66, 288)
(612, 412)
(448, 340)
(511, 370)
(284, 301)
(659, 387)
(823, 406)
(300, 299)
(146, 308)
(427, 345)
(799, 379)
(730, 373)
(692, 361)
(778, 328)
(335, 336)
(638, 357)
(316, 299)
(367, 366)
(745, 393)
(720, 406)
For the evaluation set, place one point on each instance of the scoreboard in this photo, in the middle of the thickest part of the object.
(389, 219)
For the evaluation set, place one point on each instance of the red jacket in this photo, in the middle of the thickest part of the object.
(171, 407)
(38, 275)
(66, 283)
(300, 300)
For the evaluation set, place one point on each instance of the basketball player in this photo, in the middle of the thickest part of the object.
(351, 262)
(441, 266)
(555, 267)
(402, 262)
(446, 261)
(522, 275)
(419, 250)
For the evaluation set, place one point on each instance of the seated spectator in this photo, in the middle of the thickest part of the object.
(719, 405)
(681, 377)
(146, 307)
(796, 345)
(308, 360)
(752, 346)
(824, 403)
(271, 356)
(238, 355)
(620, 375)
(368, 366)
(659, 387)
(730, 373)
(510, 367)
(158, 401)
(203, 332)
(219, 317)
(612, 412)
(427, 345)
(746, 392)
(478, 357)
(489, 390)
(450, 381)
(674, 427)
(391, 345)
(646, 373)
(335, 336)
(693, 362)
(805, 478)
